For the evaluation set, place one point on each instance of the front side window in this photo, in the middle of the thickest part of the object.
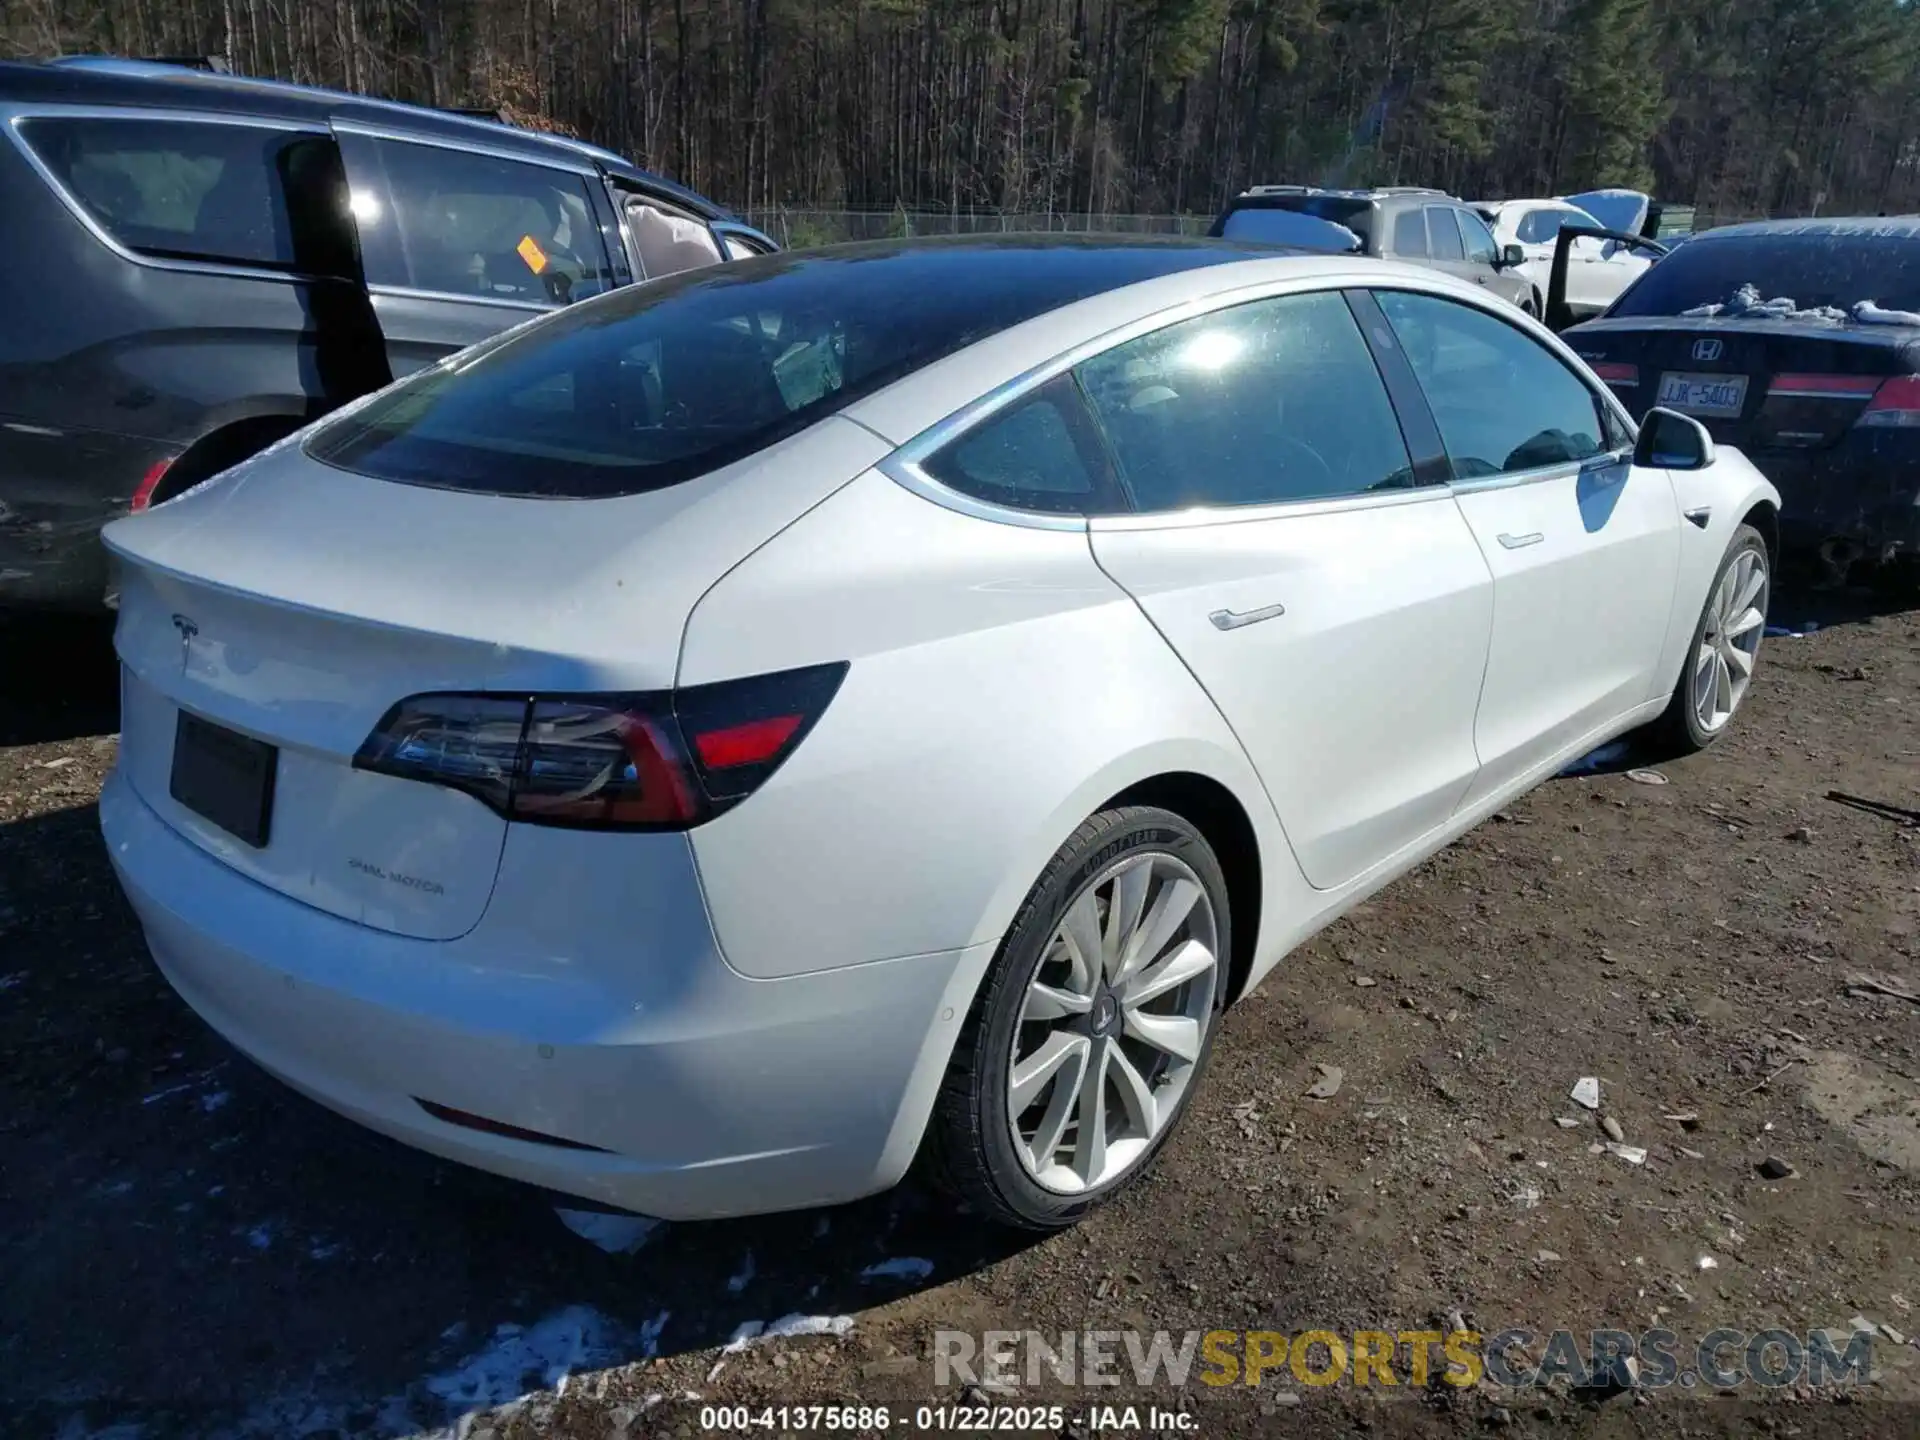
(196, 190)
(1270, 401)
(1481, 246)
(1444, 233)
(1410, 233)
(476, 225)
(1502, 400)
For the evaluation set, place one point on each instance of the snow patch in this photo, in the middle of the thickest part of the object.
(615, 1234)
(904, 1267)
(1746, 304)
(741, 1278)
(788, 1326)
(1868, 313)
(519, 1358)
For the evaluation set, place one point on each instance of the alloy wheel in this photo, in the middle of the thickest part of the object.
(1730, 640)
(1113, 1024)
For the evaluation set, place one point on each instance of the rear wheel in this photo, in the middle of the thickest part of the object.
(1725, 650)
(1093, 1027)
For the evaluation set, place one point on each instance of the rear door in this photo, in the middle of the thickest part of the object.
(1335, 608)
(1447, 249)
(461, 242)
(1584, 548)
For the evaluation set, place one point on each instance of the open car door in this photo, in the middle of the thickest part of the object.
(1559, 316)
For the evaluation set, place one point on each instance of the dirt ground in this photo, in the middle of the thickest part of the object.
(188, 1249)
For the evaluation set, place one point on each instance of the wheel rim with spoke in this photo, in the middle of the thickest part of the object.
(1730, 640)
(1112, 1024)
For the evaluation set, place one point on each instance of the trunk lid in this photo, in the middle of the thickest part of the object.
(294, 604)
(1763, 385)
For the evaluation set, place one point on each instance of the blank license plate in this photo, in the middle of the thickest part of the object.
(224, 776)
(1724, 395)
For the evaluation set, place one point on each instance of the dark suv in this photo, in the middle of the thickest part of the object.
(1427, 227)
(203, 264)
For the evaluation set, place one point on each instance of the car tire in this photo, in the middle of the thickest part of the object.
(1710, 682)
(1123, 868)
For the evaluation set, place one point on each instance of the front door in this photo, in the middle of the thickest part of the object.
(1336, 610)
(1584, 548)
(458, 245)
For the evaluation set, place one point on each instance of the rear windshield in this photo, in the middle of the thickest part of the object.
(1813, 269)
(658, 383)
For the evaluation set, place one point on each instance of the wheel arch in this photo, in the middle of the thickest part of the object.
(1216, 812)
(239, 435)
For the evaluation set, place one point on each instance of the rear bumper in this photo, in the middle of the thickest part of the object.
(1870, 501)
(57, 489)
(704, 1093)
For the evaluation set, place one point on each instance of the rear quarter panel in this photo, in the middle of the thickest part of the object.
(1001, 689)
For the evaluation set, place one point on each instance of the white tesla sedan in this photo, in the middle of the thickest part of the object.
(714, 743)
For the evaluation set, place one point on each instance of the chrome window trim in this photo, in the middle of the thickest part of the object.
(905, 466)
(569, 165)
(410, 292)
(1560, 470)
(12, 117)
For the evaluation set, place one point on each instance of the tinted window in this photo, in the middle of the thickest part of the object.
(1027, 457)
(1444, 234)
(1836, 265)
(1541, 227)
(657, 383)
(1410, 233)
(1290, 227)
(1274, 400)
(465, 224)
(1481, 248)
(197, 191)
(1502, 400)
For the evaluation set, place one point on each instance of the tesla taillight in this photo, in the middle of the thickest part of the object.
(657, 760)
(1895, 404)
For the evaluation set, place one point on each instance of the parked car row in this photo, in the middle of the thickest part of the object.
(219, 261)
(1124, 611)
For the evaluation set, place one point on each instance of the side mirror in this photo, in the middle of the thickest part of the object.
(1672, 441)
(1512, 256)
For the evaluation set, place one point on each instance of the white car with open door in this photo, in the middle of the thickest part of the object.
(710, 745)
(1598, 271)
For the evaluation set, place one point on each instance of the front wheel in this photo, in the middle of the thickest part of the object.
(1726, 648)
(1092, 1028)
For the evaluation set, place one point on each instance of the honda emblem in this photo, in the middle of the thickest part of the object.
(1708, 350)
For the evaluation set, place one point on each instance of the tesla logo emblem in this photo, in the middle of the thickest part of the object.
(187, 631)
(1708, 349)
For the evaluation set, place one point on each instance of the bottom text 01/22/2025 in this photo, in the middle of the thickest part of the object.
(953, 1419)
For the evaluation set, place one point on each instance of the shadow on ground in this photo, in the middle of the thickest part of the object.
(57, 678)
(314, 1278)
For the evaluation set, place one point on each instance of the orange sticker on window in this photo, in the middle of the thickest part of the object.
(531, 252)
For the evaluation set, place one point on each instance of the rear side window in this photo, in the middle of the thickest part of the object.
(1032, 456)
(1270, 401)
(476, 225)
(1444, 233)
(197, 190)
(1410, 233)
(1502, 400)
